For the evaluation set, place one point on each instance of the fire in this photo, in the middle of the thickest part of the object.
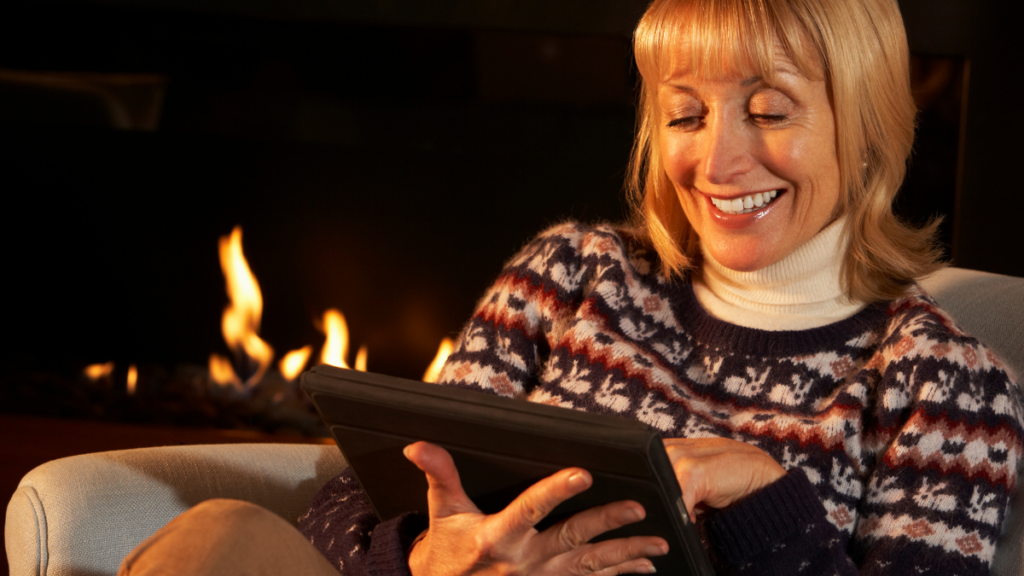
(96, 371)
(240, 325)
(241, 321)
(222, 373)
(133, 378)
(443, 352)
(293, 362)
(336, 347)
(361, 359)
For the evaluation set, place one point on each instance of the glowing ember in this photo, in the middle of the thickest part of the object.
(336, 347)
(96, 371)
(133, 378)
(241, 321)
(361, 359)
(443, 352)
(293, 362)
(222, 373)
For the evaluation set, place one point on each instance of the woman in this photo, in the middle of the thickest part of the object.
(762, 315)
(822, 415)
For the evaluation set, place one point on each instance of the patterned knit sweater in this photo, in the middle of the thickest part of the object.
(900, 434)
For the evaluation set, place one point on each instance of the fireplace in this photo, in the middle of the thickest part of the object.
(379, 171)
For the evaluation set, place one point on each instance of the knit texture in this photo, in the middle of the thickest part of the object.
(901, 433)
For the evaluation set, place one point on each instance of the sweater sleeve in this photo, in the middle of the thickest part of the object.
(944, 427)
(947, 421)
(342, 525)
(782, 529)
(518, 320)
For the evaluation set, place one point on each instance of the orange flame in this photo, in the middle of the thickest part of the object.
(336, 347)
(292, 363)
(133, 378)
(361, 359)
(443, 352)
(96, 371)
(222, 373)
(241, 321)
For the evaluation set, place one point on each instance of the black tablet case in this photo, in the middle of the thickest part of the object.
(500, 447)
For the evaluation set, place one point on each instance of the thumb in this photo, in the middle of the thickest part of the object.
(445, 495)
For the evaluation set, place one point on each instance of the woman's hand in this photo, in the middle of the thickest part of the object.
(716, 472)
(463, 540)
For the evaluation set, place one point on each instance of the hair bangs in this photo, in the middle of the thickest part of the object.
(715, 38)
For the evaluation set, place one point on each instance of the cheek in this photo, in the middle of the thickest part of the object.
(811, 164)
(674, 159)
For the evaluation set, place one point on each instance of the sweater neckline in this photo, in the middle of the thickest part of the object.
(801, 291)
(754, 341)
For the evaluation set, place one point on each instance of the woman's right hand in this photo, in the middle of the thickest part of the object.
(462, 540)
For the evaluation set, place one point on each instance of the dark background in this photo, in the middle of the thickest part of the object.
(382, 157)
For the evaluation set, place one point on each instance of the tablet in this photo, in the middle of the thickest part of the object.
(502, 446)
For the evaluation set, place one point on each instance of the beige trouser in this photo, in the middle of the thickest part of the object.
(227, 537)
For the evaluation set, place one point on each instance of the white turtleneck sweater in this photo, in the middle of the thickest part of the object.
(799, 292)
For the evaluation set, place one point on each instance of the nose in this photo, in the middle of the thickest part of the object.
(727, 151)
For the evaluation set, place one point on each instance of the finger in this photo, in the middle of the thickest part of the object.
(642, 566)
(613, 556)
(537, 501)
(582, 527)
(445, 495)
(701, 447)
(692, 481)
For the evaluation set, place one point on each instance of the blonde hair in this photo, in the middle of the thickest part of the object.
(861, 47)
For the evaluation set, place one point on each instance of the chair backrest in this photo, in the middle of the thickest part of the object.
(990, 307)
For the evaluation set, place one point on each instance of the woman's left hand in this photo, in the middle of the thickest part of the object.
(716, 472)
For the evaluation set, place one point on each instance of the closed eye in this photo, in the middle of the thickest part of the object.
(686, 122)
(768, 119)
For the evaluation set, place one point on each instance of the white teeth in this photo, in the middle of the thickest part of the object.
(745, 204)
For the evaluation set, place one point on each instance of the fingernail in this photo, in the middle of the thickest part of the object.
(405, 452)
(650, 569)
(656, 550)
(579, 480)
(631, 514)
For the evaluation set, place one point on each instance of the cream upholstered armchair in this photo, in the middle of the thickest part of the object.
(81, 515)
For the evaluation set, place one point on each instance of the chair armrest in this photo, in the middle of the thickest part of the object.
(83, 514)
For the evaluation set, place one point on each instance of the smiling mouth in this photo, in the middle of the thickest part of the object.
(745, 204)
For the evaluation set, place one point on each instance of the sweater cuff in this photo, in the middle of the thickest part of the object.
(390, 542)
(764, 519)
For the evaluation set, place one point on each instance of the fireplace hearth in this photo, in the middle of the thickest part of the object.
(184, 396)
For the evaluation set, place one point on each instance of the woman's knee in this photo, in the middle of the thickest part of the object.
(230, 512)
(212, 536)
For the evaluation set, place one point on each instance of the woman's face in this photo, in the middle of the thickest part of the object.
(754, 165)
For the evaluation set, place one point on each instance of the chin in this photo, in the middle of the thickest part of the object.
(741, 264)
(741, 256)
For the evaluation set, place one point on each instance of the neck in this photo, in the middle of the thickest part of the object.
(800, 291)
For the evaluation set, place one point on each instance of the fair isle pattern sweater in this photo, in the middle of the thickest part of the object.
(900, 434)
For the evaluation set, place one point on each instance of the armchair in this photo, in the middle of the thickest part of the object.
(80, 516)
